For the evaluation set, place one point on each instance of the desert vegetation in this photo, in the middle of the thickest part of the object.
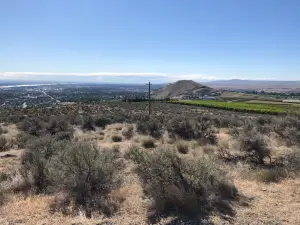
(112, 163)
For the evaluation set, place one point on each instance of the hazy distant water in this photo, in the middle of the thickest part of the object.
(22, 85)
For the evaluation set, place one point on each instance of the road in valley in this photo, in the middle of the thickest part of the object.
(50, 97)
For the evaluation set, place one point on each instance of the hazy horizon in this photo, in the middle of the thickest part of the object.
(124, 80)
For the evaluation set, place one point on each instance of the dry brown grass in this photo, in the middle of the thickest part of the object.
(148, 142)
(12, 131)
(128, 131)
(114, 127)
(182, 147)
(9, 159)
(274, 203)
(116, 138)
(35, 210)
(79, 135)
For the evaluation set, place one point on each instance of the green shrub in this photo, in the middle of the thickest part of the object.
(74, 119)
(271, 175)
(148, 143)
(204, 131)
(88, 124)
(102, 122)
(198, 129)
(33, 126)
(150, 127)
(22, 139)
(181, 127)
(36, 161)
(64, 135)
(4, 177)
(291, 135)
(293, 162)
(4, 145)
(181, 186)
(254, 146)
(288, 128)
(116, 138)
(58, 125)
(88, 176)
(234, 131)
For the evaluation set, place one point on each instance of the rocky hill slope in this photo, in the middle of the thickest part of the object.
(182, 88)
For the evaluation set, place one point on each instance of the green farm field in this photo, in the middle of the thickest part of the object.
(262, 107)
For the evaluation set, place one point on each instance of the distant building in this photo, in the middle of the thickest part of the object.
(182, 97)
(24, 105)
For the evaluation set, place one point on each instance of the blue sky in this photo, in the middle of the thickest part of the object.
(114, 40)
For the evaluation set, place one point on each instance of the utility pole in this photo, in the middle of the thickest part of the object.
(149, 99)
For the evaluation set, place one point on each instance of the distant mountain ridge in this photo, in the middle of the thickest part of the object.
(182, 88)
(266, 85)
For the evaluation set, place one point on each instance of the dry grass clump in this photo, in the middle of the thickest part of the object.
(4, 145)
(116, 138)
(14, 181)
(118, 127)
(270, 175)
(3, 130)
(182, 147)
(116, 148)
(101, 138)
(136, 139)
(89, 136)
(148, 142)
(209, 149)
(128, 132)
(186, 187)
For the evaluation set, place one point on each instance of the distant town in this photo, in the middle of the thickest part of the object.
(31, 95)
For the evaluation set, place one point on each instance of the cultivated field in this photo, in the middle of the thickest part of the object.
(254, 106)
(111, 163)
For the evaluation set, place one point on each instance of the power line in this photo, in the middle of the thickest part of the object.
(149, 98)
